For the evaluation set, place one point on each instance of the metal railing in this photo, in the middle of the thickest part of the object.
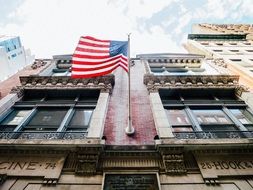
(213, 134)
(43, 135)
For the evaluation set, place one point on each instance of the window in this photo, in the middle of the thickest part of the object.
(217, 50)
(178, 120)
(233, 44)
(53, 111)
(80, 120)
(157, 70)
(211, 117)
(13, 119)
(199, 113)
(235, 60)
(60, 72)
(234, 50)
(46, 119)
(250, 50)
(244, 116)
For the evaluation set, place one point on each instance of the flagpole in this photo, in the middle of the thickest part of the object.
(129, 129)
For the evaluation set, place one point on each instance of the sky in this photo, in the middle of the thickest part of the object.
(51, 27)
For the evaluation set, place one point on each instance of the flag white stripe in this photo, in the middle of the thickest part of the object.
(95, 71)
(91, 53)
(95, 60)
(94, 42)
(80, 66)
(93, 48)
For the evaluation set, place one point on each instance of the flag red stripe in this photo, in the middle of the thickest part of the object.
(98, 61)
(91, 50)
(95, 39)
(98, 68)
(91, 56)
(93, 45)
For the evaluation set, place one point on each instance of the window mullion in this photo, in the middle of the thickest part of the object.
(66, 119)
(25, 120)
(193, 119)
(234, 119)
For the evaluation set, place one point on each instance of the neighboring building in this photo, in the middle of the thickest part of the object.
(13, 56)
(223, 29)
(192, 130)
(230, 46)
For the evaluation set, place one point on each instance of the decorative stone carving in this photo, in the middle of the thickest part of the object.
(87, 161)
(220, 62)
(173, 160)
(17, 90)
(190, 81)
(38, 63)
(174, 163)
(105, 83)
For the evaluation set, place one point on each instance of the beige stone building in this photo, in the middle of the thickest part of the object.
(230, 46)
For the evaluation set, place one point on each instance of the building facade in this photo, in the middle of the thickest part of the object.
(13, 56)
(192, 128)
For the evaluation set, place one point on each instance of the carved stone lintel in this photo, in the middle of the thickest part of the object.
(190, 81)
(105, 83)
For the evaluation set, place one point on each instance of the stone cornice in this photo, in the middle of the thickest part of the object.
(191, 81)
(105, 83)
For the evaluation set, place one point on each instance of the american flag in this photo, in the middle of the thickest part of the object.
(94, 57)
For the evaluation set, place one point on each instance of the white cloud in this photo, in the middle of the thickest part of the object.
(51, 27)
(54, 26)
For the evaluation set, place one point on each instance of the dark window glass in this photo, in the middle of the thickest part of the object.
(13, 119)
(157, 70)
(234, 50)
(46, 119)
(211, 117)
(177, 117)
(80, 120)
(244, 116)
(236, 60)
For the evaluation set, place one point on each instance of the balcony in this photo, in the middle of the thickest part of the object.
(214, 135)
(43, 135)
